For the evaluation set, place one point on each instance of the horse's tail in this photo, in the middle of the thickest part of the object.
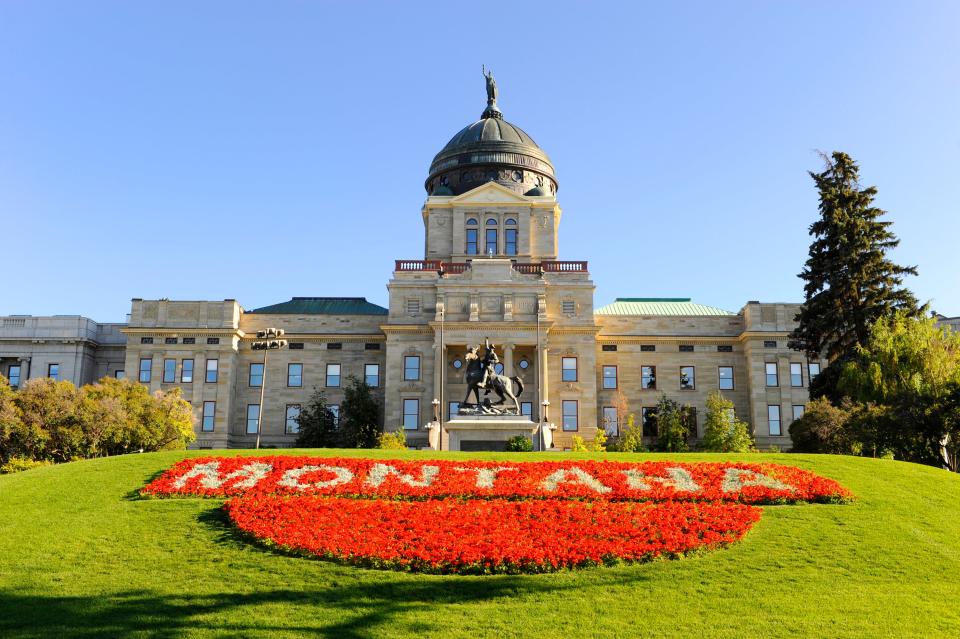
(518, 383)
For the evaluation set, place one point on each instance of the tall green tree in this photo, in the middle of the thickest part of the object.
(723, 431)
(850, 282)
(318, 425)
(673, 426)
(359, 415)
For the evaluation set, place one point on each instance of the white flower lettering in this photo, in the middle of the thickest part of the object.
(485, 476)
(574, 476)
(380, 472)
(679, 479)
(736, 479)
(209, 474)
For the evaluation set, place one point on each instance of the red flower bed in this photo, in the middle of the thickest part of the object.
(394, 479)
(477, 516)
(488, 535)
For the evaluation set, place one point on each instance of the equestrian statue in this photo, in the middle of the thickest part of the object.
(481, 374)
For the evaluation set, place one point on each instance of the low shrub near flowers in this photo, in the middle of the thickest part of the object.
(485, 517)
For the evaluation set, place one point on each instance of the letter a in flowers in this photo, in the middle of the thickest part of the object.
(209, 474)
(291, 478)
(574, 476)
(736, 479)
(380, 472)
(678, 478)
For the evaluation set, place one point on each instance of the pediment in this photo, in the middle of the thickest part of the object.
(489, 193)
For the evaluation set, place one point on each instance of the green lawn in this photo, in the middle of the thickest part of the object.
(82, 556)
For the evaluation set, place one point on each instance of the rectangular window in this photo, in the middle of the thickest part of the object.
(411, 367)
(648, 348)
(610, 425)
(726, 377)
(334, 346)
(292, 419)
(769, 343)
(335, 410)
(686, 348)
(609, 348)
(295, 375)
(688, 416)
(253, 418)
(568, 307)
(688, 378)
(295, 346)
(491, 248)
(411, 414)
(371, 375)
(773, 420)
(169, 371)
(213, 341)
(649, 416)
(53, 372)
(146, 340)
(146, 364)
(796, 374)
(569, 369)
(213, 367)
(526, 408)
(453, 408)
(472, 241)
(510, 241)
(119, 374)
(256, 375)
(813, 369)
(570, 415)
(186, 372)
(648, 377)
(170, 340)
(209, 411)
(189, 340)
(371, 346)
(609, 377)
(724, 348)
(333, 375)
(13, 376)
(771, 368)
(798, 411)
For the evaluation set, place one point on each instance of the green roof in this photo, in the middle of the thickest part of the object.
(323, 306)
(659, 306)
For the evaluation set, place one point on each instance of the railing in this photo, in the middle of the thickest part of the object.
(528, 269)
(417, 265)
(564, 267)
(455, 268)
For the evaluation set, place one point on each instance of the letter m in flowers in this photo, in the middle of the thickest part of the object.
(210, 477)
(380, 472)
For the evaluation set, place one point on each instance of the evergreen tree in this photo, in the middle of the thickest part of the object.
(359, 415)
(318, 426)
(850, 283)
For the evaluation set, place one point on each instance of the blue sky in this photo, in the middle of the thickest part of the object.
(262, 150)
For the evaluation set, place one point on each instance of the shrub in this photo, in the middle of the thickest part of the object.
(318, 426)
(598, 444)
(631, 437)
(672, 429)
(723, 432)
(519, 444)
(823, 429)
(578, 445)
(359, 415)
(17, 464)
(397, 440)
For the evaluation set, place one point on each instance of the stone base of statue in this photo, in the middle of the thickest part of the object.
(487, 432)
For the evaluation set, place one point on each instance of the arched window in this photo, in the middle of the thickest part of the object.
(491, 222)
(473, 235)
(491, 237)
(510, 237)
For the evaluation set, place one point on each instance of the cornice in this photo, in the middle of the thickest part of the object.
(188, 332)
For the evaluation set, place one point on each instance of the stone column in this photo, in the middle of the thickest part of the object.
(24, 369)
(508, 360)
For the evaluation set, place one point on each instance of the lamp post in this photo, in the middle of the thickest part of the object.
(543, 422)
(267, 340)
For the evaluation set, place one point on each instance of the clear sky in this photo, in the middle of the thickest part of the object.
(262, 150)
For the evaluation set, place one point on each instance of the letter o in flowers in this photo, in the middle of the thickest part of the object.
(291, 478)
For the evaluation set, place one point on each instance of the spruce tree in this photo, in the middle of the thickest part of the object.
(359, 415)
(850, 283)
(318, 426)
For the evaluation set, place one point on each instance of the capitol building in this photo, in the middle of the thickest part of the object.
(491, 269)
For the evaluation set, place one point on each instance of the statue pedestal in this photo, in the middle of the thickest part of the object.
(487, 432)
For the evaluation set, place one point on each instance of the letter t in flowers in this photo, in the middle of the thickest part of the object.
(485, 476)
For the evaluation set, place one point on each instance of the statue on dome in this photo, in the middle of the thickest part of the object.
(491, 86)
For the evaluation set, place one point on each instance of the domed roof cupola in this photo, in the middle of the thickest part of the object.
(491, 150)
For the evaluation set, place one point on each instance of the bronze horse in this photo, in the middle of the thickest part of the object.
(502, 385)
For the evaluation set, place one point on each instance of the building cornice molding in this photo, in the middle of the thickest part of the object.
(184, 332)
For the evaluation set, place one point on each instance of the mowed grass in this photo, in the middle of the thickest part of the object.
(82, 556)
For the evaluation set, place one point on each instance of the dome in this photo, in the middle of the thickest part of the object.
(491, 150)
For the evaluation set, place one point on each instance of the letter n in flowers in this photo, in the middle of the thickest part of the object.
(380, 472)
(574, 476)
(209, 474)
